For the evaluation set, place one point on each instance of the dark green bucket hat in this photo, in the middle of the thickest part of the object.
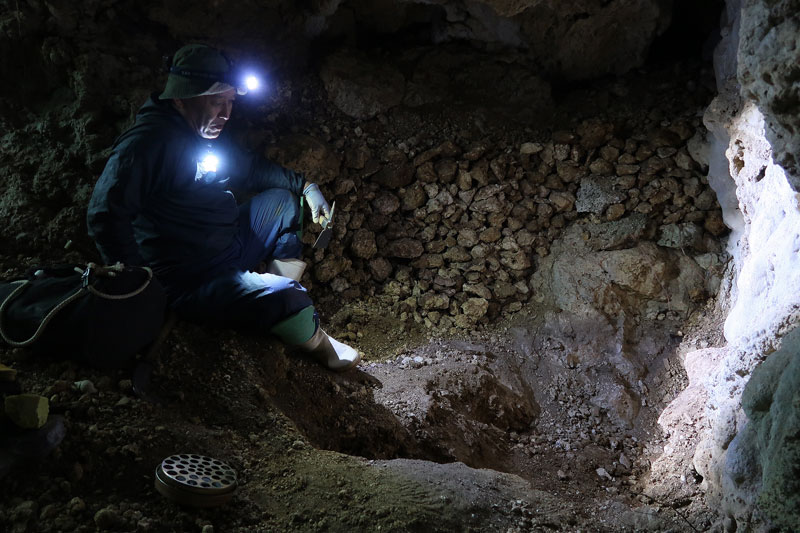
(198, 70)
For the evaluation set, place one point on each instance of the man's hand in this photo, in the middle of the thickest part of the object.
(319, 207)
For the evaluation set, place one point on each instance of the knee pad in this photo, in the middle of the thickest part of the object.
(297, 328)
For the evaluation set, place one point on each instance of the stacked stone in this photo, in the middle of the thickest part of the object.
(453, 234)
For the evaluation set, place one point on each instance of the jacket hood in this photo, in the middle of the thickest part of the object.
(157, 116)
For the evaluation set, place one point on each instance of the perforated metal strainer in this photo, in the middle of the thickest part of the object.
(197, 480)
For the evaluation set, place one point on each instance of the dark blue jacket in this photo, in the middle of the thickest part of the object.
(153, 206)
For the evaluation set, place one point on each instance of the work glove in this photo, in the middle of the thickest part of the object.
(319, 207)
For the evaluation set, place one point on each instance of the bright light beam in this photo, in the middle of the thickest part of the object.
(209, 163)
(252, 83)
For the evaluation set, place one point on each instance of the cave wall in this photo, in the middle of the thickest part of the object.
(769, 73)
(746, 455)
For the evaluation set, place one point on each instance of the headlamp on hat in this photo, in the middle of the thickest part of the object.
(242, 82)
(198, 70)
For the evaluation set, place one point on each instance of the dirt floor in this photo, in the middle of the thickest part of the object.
(313, 450)
(486, 430)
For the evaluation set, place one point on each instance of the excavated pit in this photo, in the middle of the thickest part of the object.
(531, 402)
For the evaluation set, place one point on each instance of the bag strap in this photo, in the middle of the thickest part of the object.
(86, 285)
(112, 271)
(22, 285)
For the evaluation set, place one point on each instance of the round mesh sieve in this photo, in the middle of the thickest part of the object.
(197, 473)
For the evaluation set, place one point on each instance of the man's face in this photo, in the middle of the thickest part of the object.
(207, 115)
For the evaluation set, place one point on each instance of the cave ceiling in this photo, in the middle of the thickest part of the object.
(571, 40)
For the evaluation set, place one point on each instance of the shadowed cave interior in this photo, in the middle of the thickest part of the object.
(565, 245)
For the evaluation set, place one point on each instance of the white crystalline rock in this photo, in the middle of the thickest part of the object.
(712, 152)
(767, 254)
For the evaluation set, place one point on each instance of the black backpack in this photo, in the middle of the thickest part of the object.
(99, 315)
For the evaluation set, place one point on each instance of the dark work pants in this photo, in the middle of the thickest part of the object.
(236, 296)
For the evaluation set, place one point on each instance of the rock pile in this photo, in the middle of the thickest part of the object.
(453, 233)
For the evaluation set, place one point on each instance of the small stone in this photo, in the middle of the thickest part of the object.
(412, 197)
(609, 153)
(663, 137)
(518, 260)
(106, 519)
(475, 307)
(601, 167)
(431, 300)
(475, 151)
(104, 383)
(48, 512)
(76, 505)
(562, 476)
(624, 461)
(464, 182)
(561, 151)
(491, 234)
(380, 268)
(530, 148)
(624, 170)
(467, 237)
(446, 169)
(714, 224)
(24, 511)
(503, 289)
(386, 203)
(705, 200)
(478, 289)
(684, 161)
(456, 254)
(494, 204)
(615, 212)
(603, 473)
(363, 244)
(85, 386)
(596, 194)
(404, 248)
(487, 192)
(562, 201)
(569, 171)
(28, 411)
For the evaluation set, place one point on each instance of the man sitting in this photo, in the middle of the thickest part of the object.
(165, 200)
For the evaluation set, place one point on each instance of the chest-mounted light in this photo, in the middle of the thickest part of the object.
(207, 166)
(208, 163)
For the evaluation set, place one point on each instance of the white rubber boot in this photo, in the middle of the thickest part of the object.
(288, 268)
(331, 353)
